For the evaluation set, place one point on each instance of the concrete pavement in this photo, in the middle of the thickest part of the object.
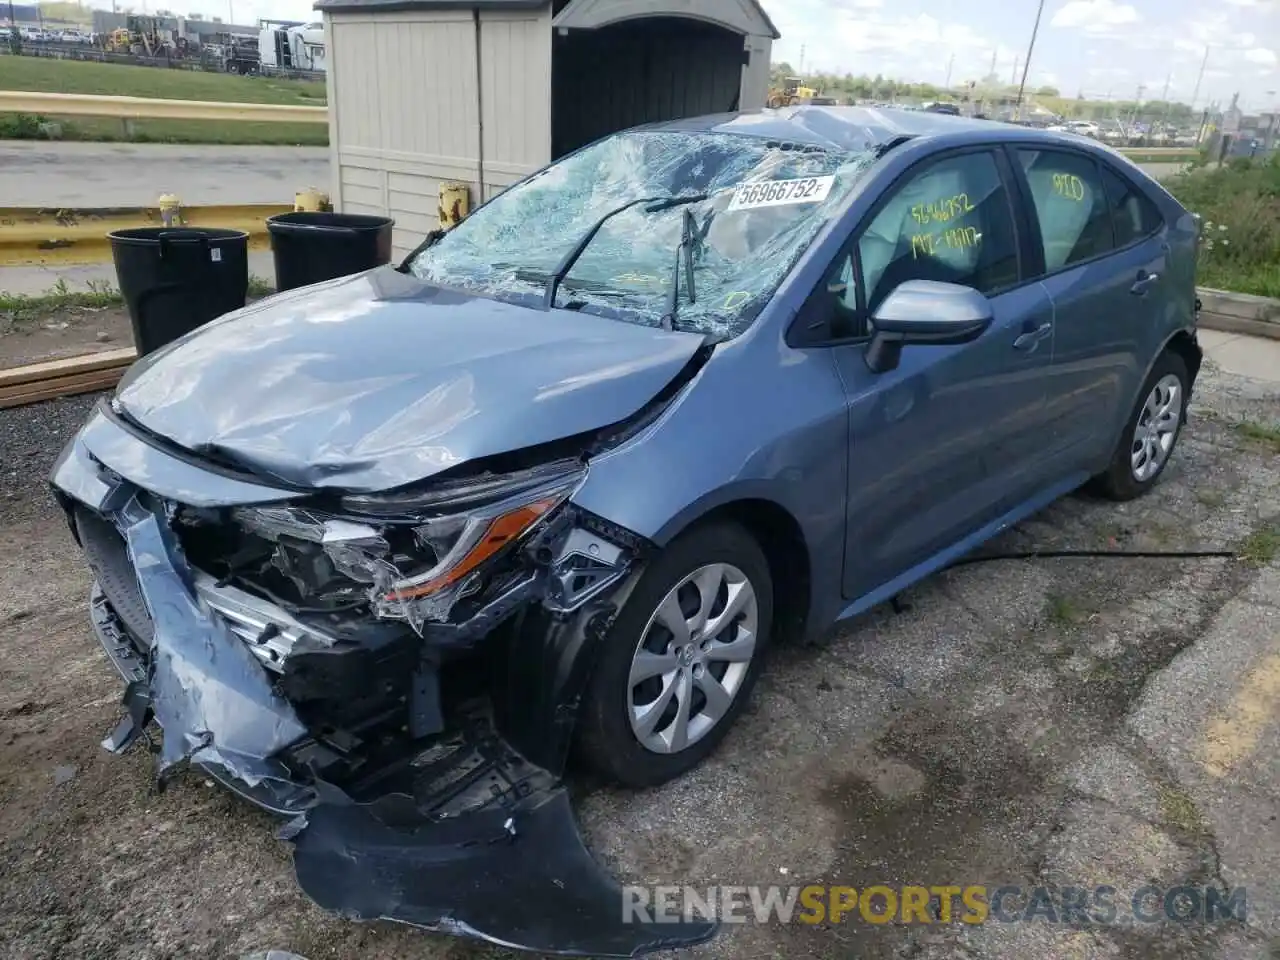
(48, 174)
(1253, 357)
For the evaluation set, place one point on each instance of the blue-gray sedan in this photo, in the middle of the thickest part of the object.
(380, 553)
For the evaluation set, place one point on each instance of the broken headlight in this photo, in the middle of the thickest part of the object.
(412, 553)
(463, 523)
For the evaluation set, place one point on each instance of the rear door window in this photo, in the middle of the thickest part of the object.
(1071, 205)
(1132, 212)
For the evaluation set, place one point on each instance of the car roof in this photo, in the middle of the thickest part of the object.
(863, 128)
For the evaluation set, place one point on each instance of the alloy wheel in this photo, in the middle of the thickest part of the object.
(692, 658)
(1157, 428)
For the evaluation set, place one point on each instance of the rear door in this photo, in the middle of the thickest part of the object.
(1101, 280)
(936, 444)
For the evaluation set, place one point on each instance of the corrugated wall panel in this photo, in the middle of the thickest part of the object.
(407, 116)
(515, 57)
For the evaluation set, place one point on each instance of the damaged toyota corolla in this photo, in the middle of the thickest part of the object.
(380, 554)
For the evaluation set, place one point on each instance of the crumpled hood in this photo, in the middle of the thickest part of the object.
(378, 380)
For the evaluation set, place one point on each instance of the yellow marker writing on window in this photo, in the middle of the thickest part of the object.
(1068, 185)
(956, 238)
(736, 299)
(943, 210)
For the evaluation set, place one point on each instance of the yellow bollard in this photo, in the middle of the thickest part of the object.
(312, 200)
(455, 203)
(171, 210)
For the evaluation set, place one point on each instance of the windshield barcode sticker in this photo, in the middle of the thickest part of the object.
(778, 193)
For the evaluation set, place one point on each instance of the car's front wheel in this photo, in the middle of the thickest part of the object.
(681, 658)
(1152, 431)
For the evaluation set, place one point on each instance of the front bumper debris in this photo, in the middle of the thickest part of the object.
(470, 832)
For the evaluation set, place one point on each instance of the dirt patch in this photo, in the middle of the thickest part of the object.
(69, 332)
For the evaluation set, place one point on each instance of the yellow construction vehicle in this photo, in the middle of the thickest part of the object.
(792, 92)
(142, 37)
(119, 41)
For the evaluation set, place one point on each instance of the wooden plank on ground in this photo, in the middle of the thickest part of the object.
(58, 387)
(68, 366)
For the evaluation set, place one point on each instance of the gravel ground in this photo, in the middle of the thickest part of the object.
(1014, 723)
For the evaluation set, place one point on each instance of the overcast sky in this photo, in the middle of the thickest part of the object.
(1100, 47)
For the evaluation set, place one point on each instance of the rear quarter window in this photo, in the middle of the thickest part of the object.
(1133, 214)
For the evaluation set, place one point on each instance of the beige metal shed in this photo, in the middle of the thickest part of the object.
(484, 92)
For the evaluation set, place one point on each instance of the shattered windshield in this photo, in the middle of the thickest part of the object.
(765, 201)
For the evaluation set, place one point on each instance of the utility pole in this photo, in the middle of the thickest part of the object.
(1030, 48)
(801, 71)
(950, 63)
(1195, 94)
(1164, 125)
(1013, 77)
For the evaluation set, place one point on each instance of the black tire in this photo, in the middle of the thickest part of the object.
(605, 740)
(1117, 482)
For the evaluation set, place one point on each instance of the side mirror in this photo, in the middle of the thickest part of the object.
(925, 312)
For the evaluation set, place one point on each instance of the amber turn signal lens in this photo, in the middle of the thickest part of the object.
(500, 532)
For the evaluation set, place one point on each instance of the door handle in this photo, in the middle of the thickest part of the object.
(1144, 281)
(1028, 340)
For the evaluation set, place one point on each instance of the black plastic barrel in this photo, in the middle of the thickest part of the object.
(175, 279)
(311, 247)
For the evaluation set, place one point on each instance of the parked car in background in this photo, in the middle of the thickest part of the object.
(1112, 132)
(1082, 128)
(385, 549)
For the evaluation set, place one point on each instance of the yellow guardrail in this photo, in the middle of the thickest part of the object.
(146, 108)
(31, 236)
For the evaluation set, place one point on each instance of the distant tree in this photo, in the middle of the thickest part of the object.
(1047, 92)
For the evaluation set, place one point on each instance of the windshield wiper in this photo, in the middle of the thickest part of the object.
(691, 238)
(655, 204)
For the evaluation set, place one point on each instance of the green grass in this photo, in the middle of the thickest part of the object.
(45, 75)
(105, 129)
(258, 287)
(1062, 610)
(1267, 434)
(1179, 810)
(1211, 498)
(1262, 279)
(69, 76)
(1239, 206)
(17, 308)
(1261, 546)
